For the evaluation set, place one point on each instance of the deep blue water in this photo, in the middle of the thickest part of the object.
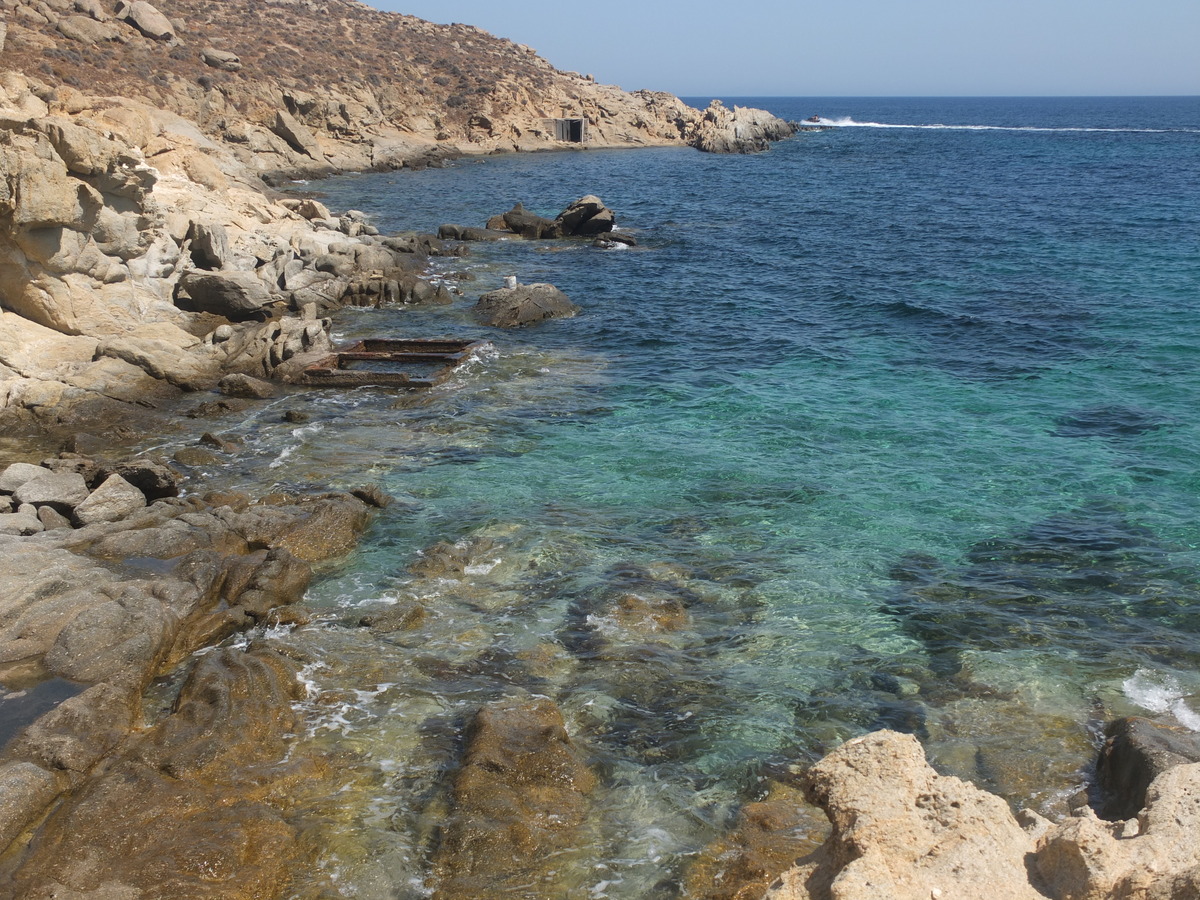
(896, 421)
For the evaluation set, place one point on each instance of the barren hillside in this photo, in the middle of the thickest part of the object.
(369, 85)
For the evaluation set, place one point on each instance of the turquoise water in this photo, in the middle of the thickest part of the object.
(891, 426)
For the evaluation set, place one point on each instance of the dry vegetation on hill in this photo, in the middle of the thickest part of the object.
(344, 69)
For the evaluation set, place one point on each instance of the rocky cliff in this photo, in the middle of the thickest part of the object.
(141, 253)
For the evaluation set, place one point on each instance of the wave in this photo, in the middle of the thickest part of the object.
(847, 122)
(1161, 693)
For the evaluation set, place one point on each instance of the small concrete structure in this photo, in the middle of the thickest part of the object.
(569, 131)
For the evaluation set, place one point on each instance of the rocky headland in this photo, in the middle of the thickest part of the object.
(146, 255)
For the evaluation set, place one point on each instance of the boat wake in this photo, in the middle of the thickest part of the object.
(847, 122)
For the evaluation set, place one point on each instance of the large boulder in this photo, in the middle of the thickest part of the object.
(586, 216)
(525, 304)
(209, 242)
(297, 135)
(114, 499)
(146, 19)
(221, 59)
(88, 30)
(17, 474)
(61, 490)
(531, 226)
(234, 295)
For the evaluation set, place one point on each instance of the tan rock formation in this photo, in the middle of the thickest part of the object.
(190, 808)
(903, 832)
(66, 612)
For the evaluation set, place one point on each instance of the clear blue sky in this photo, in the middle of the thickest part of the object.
(854, 47)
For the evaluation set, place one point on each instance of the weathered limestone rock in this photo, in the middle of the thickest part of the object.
(523, 305)
(519, 802)
(114, 499)
(902, 832)
(1150, 858)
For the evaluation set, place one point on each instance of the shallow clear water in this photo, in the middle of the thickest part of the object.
(896, 423)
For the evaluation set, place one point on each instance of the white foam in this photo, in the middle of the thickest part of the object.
(848, 122)
(481, 568)
(1160, 693)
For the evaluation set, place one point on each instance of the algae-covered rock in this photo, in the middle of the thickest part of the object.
(189, 809)
(518, 804)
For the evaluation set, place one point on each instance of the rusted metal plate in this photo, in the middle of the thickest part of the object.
(388, 362)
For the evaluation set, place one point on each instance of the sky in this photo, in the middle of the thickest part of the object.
(854, 47)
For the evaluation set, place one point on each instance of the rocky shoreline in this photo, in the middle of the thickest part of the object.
(144, 261)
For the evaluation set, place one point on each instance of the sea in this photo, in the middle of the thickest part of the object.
(892, 426)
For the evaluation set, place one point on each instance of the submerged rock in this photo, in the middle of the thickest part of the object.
(767, 838)
(519, 802)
